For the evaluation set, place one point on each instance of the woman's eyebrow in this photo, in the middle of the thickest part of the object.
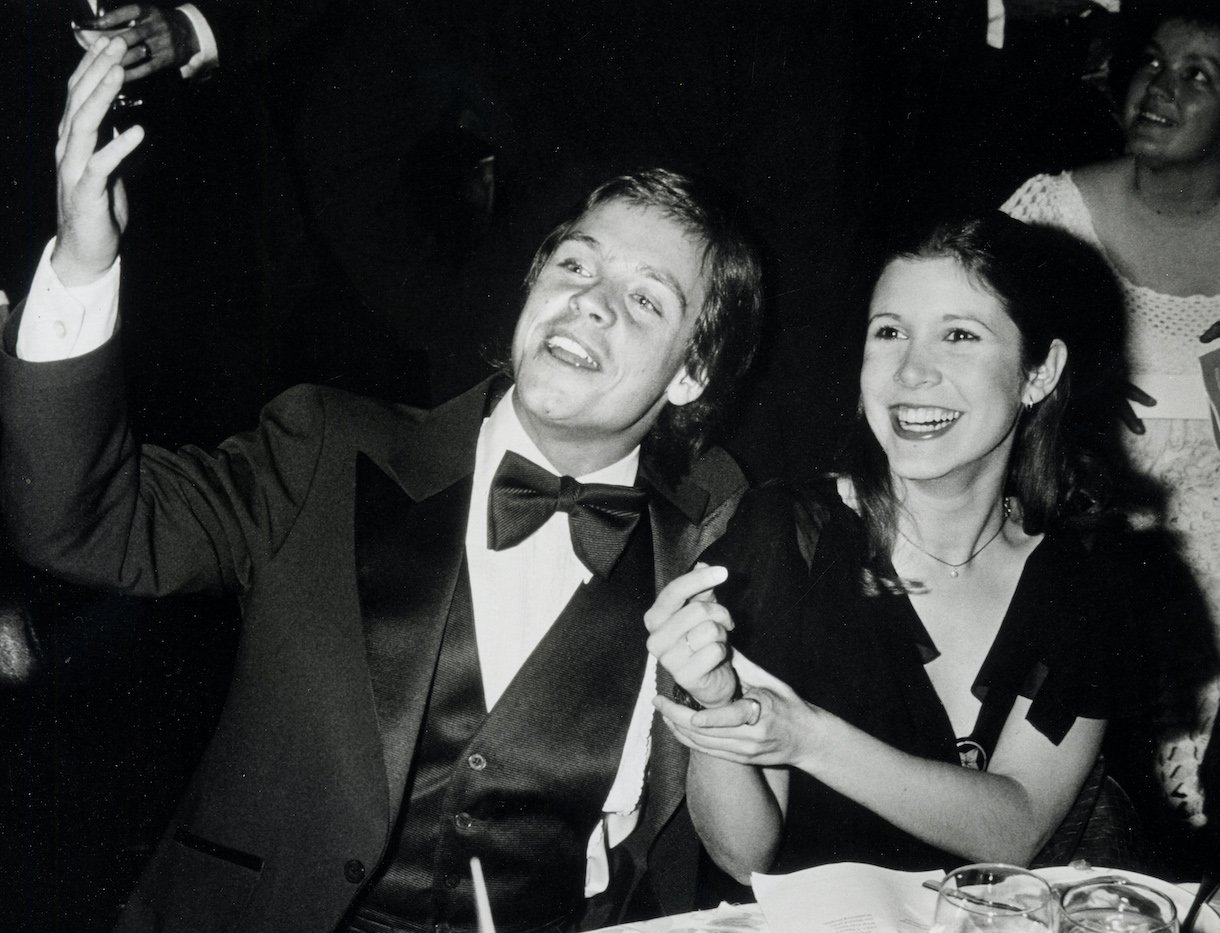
(967, 318)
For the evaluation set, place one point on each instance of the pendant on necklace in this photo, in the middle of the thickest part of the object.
(953, 573)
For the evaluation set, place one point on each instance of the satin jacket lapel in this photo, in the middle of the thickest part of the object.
(410, 526)
(666, 767)
(407, 557)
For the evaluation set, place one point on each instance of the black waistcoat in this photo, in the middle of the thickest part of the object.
(523, 786)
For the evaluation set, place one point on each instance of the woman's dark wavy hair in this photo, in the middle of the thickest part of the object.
(729, 327)
(1052, 287)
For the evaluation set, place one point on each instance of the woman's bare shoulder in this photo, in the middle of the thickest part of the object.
(1101, 182)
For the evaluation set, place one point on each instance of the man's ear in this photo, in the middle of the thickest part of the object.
(1044, 377)
(684, 388)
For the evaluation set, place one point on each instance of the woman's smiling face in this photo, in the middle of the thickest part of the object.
(1172, 110)
(943, 382)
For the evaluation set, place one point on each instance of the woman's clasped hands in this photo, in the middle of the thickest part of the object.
(747, 715)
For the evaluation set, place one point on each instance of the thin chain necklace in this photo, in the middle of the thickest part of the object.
(955, 569)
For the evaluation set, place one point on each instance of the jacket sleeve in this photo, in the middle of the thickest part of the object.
(248, 33)
(82, 498)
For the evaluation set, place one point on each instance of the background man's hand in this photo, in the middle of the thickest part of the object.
(1126, 414)
(156, 39)
(92, 205)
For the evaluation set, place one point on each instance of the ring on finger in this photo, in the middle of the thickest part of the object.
(753, 720)
(689, 646)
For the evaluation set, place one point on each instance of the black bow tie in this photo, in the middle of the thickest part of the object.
(601, 517)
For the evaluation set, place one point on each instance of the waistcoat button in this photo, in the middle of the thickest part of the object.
(463, 821)
(452, 881)
(353, 870)
(477, 762)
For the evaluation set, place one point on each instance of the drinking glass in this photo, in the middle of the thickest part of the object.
(995, 898)
(82, 12)
(1116, 907)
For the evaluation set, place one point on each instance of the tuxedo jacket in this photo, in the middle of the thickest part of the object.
(334, 509)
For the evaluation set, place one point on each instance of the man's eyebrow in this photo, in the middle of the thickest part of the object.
(657, 275)
(590, 241)
(667, 280)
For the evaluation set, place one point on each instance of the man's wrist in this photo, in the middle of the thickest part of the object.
(683, 696)
(72, 272)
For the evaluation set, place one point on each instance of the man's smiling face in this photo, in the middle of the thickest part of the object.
(601, 343)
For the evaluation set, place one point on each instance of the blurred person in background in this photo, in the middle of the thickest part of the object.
(1155, 215)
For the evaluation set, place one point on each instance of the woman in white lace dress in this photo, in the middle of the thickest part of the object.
(1155, 215)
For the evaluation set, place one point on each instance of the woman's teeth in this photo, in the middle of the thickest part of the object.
(926, 419)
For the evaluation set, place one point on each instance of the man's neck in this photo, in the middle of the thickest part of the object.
(574, 457)
(575, 453)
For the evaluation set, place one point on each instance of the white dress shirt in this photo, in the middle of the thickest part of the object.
(516, 593)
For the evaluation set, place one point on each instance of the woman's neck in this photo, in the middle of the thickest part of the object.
(951, 526)
(1177, 192)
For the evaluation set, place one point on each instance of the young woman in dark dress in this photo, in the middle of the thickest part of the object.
(921, 642)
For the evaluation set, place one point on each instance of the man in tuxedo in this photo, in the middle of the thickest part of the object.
(435, 663)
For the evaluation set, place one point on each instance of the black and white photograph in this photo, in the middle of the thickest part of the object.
(634, 466)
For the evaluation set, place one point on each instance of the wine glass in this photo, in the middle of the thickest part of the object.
(1116, 907)
(994, 898)
(84, 11)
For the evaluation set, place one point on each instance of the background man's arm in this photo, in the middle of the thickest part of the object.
(197, 37)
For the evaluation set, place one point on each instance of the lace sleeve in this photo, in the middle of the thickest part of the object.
(1053, 200)
(1035, 202)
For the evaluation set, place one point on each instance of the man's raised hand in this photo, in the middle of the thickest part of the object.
(92, 205)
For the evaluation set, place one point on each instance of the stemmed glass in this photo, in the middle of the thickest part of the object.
(995, 898)
(1116, 907)
(84, 11)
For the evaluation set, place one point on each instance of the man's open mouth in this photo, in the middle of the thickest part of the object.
(571, 352)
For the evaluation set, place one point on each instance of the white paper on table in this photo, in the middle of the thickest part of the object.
(847, 897)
